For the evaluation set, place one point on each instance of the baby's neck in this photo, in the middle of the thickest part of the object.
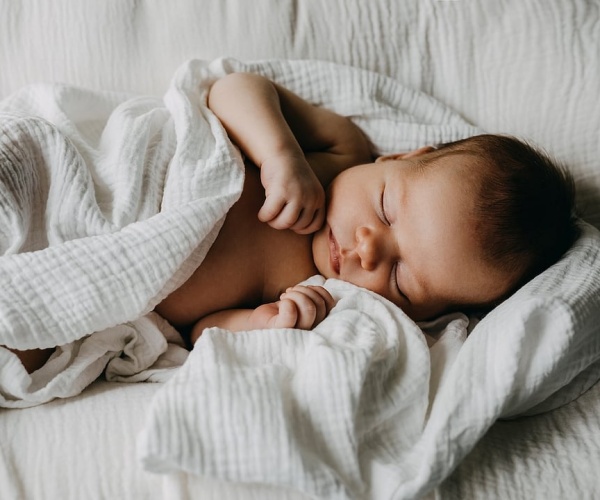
(288, 261)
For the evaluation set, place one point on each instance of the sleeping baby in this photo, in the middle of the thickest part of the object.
(457, 227)
(454, 227)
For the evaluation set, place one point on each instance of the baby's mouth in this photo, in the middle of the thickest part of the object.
(334, 256)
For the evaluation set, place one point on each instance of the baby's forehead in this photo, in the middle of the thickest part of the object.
(463, 159)
(465, 173)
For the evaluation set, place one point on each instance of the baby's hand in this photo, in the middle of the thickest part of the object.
(300, 306)
(295, 198)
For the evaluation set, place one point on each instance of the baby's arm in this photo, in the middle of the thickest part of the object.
(299, 307)
(298, 147)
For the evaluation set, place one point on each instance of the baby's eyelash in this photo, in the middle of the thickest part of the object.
(395, 281)
(382, 208)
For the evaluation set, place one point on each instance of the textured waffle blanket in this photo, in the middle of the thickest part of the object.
(108, 202)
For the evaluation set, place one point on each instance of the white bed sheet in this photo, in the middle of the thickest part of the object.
(550, 456)
(85, 448)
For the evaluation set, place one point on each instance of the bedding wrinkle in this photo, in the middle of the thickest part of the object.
(105, 261)
(14, 193)
(530, 451)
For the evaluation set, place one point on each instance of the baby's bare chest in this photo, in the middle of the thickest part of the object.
(256, 263)
(249, 263)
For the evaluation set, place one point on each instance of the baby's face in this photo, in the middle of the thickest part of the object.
(407, 233)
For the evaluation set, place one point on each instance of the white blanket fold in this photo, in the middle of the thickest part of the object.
(104, 212)
(297, 408)
(108, 202)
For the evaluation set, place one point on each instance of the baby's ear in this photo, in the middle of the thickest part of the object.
(409, 154)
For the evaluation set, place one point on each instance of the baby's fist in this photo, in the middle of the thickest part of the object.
(300, 306)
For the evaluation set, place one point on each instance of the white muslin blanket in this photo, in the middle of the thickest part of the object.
(108, 202)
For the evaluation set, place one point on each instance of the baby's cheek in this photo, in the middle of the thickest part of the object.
(320, 253)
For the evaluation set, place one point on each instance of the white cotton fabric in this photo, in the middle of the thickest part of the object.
(542, 456)
(110, 201)
(307, 409)
(387, 422)
(553, 455)
(107, 203)
(351, 410)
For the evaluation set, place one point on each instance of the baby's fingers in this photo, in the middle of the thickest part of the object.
(307, 310)
(280, 214)
(287, 315)
(322, 299)
(313, 304)
(271, 208)
(309, 222)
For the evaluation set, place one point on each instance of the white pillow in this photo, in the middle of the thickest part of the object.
(555, 322)
(536, 351)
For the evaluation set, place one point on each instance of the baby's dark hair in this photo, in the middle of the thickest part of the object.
(524, 203)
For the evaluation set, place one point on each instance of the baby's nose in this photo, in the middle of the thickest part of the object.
(369, 248)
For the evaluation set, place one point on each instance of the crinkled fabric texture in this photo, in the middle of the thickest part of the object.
(360, 407)
(535, 352)
(108, 202)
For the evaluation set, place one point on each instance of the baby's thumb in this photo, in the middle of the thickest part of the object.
(287, 316)
(271, 208)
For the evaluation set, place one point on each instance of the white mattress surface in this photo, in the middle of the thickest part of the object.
(85, 448)
(550, 456)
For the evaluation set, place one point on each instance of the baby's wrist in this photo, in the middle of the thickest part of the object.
(261, 316)
(284, 158)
